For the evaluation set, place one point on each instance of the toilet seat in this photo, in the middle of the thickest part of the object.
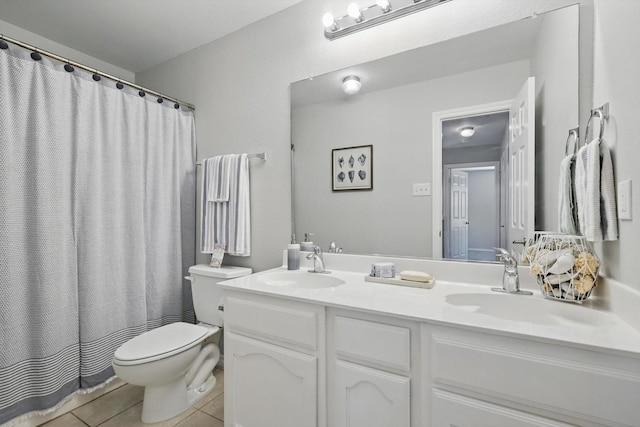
(159, 343)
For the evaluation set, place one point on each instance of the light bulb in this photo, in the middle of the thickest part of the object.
(353, 10)
(384, 5)
(328, 20)
(351, 85)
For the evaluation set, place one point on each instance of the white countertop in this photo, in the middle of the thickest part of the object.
(465, 304)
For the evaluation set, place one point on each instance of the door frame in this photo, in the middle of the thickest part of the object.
(438, 117)
(446, 207)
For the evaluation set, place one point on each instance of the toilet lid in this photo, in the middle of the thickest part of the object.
(160, 342)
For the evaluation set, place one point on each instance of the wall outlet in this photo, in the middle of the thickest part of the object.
(423, 189)
(624, 200)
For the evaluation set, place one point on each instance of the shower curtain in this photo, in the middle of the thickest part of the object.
(97, 227)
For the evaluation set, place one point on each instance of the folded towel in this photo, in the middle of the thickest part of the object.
(595, 193)
(566, 206)
(226, 221)
(218, 188)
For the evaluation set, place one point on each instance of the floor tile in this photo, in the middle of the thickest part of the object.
(200, 419)
(132, 417)
(107, 406)
(215, 408)
(66, 420)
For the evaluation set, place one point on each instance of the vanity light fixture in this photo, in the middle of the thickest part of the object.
(351, 85)
(467, 131)
(382, 11)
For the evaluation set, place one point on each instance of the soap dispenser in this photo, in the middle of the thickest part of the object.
(307, 245)
(293, 254)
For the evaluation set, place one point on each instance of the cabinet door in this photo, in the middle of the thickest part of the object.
(449, 409)
(268, 386)
(365, 397)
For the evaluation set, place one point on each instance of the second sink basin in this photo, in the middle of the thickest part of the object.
(300, 279)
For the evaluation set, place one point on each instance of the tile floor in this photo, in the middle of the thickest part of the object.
(122, 407)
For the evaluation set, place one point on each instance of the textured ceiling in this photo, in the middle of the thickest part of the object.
(136, 34)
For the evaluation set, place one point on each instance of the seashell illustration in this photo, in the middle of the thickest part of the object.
(341, 162)
(341, 177)
(352, 174)
(562, 265)
(351, 161)
(362, 174)
(362, 158)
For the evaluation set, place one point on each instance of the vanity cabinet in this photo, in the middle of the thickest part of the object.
(369, 370)
(500, 379)
(274, 362)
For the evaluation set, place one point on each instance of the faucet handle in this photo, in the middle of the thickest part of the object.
(504, 255)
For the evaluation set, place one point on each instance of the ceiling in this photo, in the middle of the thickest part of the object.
(136, 34)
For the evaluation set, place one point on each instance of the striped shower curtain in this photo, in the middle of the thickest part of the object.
(97, 227)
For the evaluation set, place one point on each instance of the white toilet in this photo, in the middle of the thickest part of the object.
(169, 361)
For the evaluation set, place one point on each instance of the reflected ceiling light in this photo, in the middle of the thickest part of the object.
(467, 131)
(358, 18)
(351, 85)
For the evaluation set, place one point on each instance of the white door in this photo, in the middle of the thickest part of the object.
(366, 397)
(269, 386)
(521, 167)
(459, 214)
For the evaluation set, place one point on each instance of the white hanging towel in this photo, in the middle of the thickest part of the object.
(595, 193)
(566, 202)
(226, 213)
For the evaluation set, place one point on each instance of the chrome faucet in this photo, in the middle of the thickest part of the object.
(318, 262)
(333, 248)
(510, 278)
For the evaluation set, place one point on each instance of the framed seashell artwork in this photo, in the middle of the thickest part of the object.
(352, 168)
(565, 266)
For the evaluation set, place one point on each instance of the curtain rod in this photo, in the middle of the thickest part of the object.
(261, 156)
(93, 70)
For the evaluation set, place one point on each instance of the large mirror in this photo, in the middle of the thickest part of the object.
(432, 191)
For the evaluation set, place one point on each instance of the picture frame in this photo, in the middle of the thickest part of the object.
(352, 168)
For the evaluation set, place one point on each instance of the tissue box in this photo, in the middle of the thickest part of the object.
(383, 269)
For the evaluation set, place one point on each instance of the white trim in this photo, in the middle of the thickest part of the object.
(436, 141)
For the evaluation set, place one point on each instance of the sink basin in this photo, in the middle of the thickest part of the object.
(521, 308)
(301, 279)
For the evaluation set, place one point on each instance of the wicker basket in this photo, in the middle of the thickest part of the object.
(565, 266)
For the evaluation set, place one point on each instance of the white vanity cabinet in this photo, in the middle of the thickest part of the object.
(369, 370)
(486, 379)
(274, 362)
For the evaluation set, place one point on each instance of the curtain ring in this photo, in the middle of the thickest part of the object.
(3, 44)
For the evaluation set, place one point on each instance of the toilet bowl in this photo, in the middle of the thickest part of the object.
(170, 362)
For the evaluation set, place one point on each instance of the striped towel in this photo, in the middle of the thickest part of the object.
(226, 213)
(595, 193)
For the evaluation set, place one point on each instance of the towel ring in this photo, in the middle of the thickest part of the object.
(575, 132)
(603, 114)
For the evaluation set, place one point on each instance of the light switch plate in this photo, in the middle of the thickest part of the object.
(624, 200)
(423, 189)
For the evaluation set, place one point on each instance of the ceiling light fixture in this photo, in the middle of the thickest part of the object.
(351, 85)
(358, 18)
(467, 131)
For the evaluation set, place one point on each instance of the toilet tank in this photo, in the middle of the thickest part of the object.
(206, 293)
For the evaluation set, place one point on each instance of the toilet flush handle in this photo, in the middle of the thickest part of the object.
(189, 278)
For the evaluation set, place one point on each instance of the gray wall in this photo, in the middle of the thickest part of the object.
(240, 85)
(397, 121)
